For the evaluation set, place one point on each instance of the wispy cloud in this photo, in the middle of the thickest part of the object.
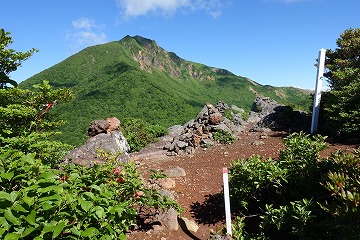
(135, 8)
(85, 33)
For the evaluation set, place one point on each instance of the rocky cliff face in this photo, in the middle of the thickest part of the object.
(151, 57)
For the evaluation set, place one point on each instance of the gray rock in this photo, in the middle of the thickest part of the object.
(175, 172)
(181, 144)
(168, 220)
(237, 109)
(165, 183)
(188, 224)
(207, 143)
(114, 142)
(257, 143)
(166, 193)
(221, 126)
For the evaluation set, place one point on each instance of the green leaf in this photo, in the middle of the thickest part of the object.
(99, 211)
(28, 159)
(54, 188)
(58, 229)
(11, 218)
(31, 217)
(27, 231)
(12, 236)
(122, 237)
(29, 200)
(4, 223)
(32, 187)
(96, 187)
(46, 229)
(13, 196)
(85, 205)
(7, 175)
(5, 195)
(48, 175)
(46, 205)
(56, 197)
(90, 195)
(2, 231)
(89, 232)
(19, 208)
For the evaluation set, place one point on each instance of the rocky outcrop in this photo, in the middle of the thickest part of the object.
(277, 117)
(198, 132)
(266, 115)
(104, 135)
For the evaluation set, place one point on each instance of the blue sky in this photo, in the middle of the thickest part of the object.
(273, 42)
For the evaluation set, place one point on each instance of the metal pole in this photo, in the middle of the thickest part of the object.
(227, 201)
(318, 88)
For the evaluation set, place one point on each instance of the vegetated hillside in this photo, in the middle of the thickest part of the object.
(134, 77)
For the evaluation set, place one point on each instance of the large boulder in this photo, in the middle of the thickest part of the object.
(267, 113)
(104, 136)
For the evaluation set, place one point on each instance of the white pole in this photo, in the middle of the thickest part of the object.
(227, 201)
(318, 88)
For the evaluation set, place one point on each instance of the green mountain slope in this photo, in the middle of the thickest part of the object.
(134, 77)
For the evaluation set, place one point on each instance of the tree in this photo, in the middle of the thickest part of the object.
(25, 117)
(342, 102)
(10, 60)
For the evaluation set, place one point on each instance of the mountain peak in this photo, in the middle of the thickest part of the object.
(145, 42)
(142, 41)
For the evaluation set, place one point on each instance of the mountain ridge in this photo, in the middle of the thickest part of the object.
(135, 77)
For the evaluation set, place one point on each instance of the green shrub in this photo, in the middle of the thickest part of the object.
(138, 133)
(299, 195)
(222, 136)
(228, 113)
(76, 202)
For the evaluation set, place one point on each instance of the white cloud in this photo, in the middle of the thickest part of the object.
(88, 38)
(83, 23)
(135, 8)
(85, 33)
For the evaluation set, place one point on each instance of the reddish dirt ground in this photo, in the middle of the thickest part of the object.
(198, 192)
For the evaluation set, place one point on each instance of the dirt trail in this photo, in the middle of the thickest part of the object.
(198, 192)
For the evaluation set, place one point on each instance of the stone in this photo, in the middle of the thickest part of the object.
(165, 183)
(257, 143)
(97, 127)
(196, 140)
(237, 109)
(114, 124)
(168, 220)
(187, 224)
(207, 143)
(181, 144)
(166, 193)
(216, 118)
(175, 172)
(221, 106)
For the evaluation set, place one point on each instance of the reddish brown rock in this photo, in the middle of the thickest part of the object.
(216, 118)
(114, 124)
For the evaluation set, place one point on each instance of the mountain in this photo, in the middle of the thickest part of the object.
(134, 77)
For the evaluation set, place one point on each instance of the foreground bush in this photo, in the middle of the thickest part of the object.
(299, 195)
(76, 202)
